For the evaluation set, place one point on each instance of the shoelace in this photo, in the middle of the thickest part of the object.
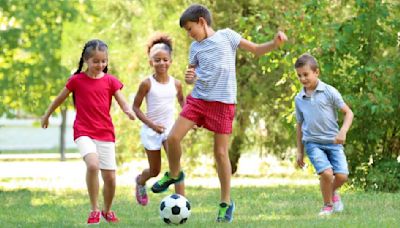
(142, 190)
(164, 179)
(110, 215)
(94, 214)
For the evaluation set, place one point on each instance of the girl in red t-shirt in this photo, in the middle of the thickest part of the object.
(92, 91)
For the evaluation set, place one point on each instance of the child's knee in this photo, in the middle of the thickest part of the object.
(172, 138)
(93, 167)
(341, 177)
(327, 173)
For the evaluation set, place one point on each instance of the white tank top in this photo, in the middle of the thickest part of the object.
(160, 102)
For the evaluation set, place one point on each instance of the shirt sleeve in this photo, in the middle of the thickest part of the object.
(115, 84)
(192, 56)
(71, 83)
(337, 98)
(299, 114)
(233, 37)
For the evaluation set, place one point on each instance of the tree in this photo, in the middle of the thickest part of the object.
(30, 57)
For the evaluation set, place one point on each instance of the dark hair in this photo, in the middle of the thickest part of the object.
(193, 14)
(306, 59)
(160, 38)
(87, 51)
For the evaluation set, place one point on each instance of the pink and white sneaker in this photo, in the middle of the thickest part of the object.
(337, 203)
(326, 210)
(141, 194)
(94, 218)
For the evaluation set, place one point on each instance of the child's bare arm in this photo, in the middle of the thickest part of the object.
(300, 146)
(53, 106)
(144, 88)
(348, 119)
(179, 95)
(124, 105)
(260, 49)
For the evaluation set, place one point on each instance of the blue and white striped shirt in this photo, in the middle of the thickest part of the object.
(215, 58)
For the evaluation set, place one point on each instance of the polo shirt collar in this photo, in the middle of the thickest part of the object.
(320, 87)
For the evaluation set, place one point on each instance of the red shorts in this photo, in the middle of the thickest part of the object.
(212, 115)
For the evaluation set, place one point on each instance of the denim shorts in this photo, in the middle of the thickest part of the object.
(325, 156)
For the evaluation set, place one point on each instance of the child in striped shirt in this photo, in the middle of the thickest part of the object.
(212, 101)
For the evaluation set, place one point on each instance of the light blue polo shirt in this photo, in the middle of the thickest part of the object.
(318, 113)
(215, 58)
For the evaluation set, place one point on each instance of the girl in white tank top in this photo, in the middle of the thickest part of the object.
(160, 91)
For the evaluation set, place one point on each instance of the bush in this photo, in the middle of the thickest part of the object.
(384, 176)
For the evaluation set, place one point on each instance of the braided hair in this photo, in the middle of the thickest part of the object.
(87, 51)
(90, 46)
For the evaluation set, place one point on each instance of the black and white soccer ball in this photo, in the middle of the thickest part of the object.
(174, 209)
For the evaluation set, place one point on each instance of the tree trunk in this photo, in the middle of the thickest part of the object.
(62, 132)
(238, 139)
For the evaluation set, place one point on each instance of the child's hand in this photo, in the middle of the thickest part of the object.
(340, 138)
(158, 128)
(44, 122)
(131, 115)
(300, 160)
(190, 75)
(280, 38)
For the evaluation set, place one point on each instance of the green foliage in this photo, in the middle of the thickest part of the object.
(30, 57)
(355, 43)
(362, 62)
(384, 176)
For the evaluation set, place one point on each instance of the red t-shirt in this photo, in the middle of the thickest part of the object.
(92, 103)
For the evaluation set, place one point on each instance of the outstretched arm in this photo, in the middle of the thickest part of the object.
(124, 105)
(53, 106)
(348, 119)
(260, 49)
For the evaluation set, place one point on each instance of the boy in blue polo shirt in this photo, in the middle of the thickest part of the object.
(318, 131)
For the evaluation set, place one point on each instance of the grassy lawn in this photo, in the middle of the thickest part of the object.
(280, 206)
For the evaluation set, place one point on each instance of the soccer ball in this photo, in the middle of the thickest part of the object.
(174, 209)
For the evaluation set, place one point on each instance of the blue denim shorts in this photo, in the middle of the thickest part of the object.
(325, 156)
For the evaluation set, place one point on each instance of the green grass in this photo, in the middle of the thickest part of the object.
(280, 206)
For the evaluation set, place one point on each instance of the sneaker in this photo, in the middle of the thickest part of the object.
(326, 210)
(94, 218)
(337, 203)
(110, 216)
(163, 184)
(141, 195)
(225, 212)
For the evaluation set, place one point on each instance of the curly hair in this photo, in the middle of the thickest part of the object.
(160, 38)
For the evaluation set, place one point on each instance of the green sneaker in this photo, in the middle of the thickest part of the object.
(225, 212)
(163, 184)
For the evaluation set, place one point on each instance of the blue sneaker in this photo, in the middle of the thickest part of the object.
(225, 212)
(163, 184)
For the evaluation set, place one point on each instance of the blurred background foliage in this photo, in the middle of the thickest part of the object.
(356, 43)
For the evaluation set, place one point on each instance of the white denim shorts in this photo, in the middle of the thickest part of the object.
(104, 150)
(151, 140)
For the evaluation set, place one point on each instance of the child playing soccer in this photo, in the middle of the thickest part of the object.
(212, 101)
(318, 131)
(94, 135)
(160, 90)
